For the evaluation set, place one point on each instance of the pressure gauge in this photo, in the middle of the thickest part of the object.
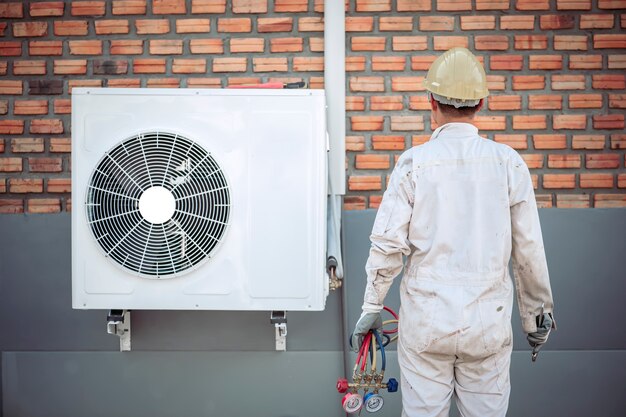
(352, 402)
(373, 402)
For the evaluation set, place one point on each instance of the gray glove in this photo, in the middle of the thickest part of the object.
(367, 322)
(540, 337)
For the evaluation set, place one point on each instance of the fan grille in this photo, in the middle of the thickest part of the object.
(152, 237)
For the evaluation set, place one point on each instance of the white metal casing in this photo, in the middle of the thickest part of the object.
(272, 146)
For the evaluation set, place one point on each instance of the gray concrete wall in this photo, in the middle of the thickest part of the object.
(60, 362)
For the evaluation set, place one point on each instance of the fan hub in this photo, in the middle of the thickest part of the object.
(157, 205)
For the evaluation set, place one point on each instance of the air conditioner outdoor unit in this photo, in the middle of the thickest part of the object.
(199, 199)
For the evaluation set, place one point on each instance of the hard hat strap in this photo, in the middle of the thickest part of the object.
(456, 102)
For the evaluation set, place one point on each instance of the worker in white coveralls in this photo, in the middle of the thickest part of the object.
(458, 207)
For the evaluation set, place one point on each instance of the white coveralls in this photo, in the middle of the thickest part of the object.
(458, 207)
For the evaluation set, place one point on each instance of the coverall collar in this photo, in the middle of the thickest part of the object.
(455, 130)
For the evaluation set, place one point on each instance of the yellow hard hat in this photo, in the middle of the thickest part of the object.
(457, 74)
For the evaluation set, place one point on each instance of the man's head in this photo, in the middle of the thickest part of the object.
(456, 85)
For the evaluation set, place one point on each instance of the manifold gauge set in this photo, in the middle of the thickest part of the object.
(366, 376)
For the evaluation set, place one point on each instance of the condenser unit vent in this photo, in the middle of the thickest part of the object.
(158, 204)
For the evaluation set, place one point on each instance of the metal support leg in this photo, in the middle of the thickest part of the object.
(118, 323)
(279, 319)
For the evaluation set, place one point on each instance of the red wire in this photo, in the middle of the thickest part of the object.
(395, 316)
(363, 351)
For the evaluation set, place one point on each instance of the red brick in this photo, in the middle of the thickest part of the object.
(364, 182)
(572, 201)
(588, 180)
(388, 63)
(163, 83)
(43, 126)
(355, 103)
(491, 42)
(112, 27)
(570, 43)
(271, 64)
(372, 161)
(373, 5)
(505, 102)
(608, 121)
(550, 141)
(62, 106)
(621, 180)
(407, 123)
(585, 101)
(602, 161)
(557, 21)
(545, 102)
(308, 63)
(60, 145)
(11, 206)
(354, 24)
(518, 141)
(11, 127)
(609, 41)
(12, 10)
(169, 7)
(573, 4)
(585, 62)
(532, 42)
(492, 4)
(11, 87)
(568, 82)
(189, 66)
(563, 161)
(83, 83)
(316, 83)
(45, 48)
(310, 24)
(368, 43)
(316, 44)
(422, 62)
(413, 5)
(617, 61)
(496, 82)
(597, 21)
(363, 123)
(559, 181)
(529, 122)
(490, 122)
(11, 48)
(546, 62)
(610, 4)
(149, 66)
(204, 82)
(208, 6)
(355, 63)
(274, 24)
(386, 103)
(45, 164)
(443, 43)
(436, 23)
(454, 5)
(30, 29)
(207, 46)
(27, 145)
(295, 6)
(395, 23)
(608, 81)
(71, 28)
(417, 140)
(419, 102)
(10, 164)
(609, 200)
(517, 22)
(4, 109)
(152, 26)
(26, 107)
(29, 67)
(533, 161)
(124, 83)
(127, 47)
(44, 205)
(367, 84)
(230, 65)
(588, 141)
(409, 43)
(478, 22)
(129, 7)
(70, 66)
(387, 143)
(617, 101)
(193, 26)
(349, 203)
(529, 82)
(25, 185)
(407, 84)
(88, 8)
(506, 62)
(355, 143)
(85, 47)
(166, 47)
(569, 121)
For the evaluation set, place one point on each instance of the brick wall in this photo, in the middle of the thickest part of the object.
(555, 69)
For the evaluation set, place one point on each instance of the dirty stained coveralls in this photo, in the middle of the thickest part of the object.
(458, 207)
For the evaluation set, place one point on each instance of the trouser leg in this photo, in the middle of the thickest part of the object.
(427, 383)
(482, 386)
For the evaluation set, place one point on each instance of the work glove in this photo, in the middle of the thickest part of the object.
(537, 339)
(367, 322)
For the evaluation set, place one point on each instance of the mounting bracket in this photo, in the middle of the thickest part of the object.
(279, 320)
(118, 323)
